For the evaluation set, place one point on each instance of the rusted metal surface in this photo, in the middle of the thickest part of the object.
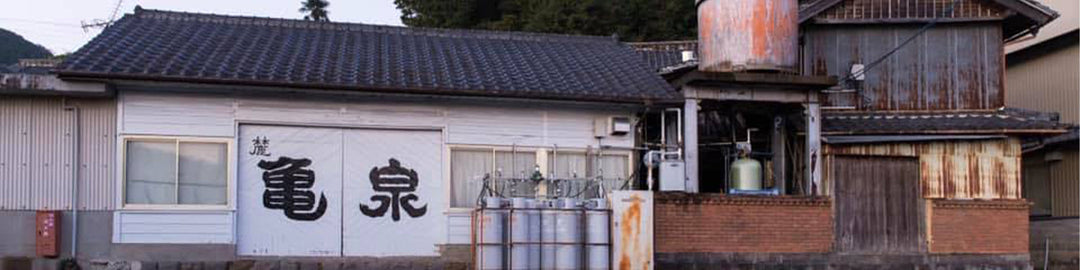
(633, 229)
(738, 35)
(986, 169)
(877, 205)
(949, 67)
(881, 10)
(36, 153)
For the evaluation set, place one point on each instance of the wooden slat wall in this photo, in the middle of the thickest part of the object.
(877, 205)
(979, 169)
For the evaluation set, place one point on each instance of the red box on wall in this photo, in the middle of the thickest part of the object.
(48, 233)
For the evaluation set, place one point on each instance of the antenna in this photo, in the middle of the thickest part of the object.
(99, 23)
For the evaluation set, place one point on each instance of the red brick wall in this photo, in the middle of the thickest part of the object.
(979, 226)
(716, 223)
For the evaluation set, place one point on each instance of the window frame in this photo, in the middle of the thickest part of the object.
(176, 140)
(493, 149)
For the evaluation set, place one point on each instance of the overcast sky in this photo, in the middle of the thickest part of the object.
(55, 24)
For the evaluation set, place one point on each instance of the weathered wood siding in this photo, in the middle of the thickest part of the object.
(949, 67)
(864, 10)
(986, 169)
(877, 205)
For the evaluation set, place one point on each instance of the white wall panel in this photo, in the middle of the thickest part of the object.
(209, 227)
(177, 114)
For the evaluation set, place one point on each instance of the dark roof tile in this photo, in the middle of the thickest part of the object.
(958, 122)
(206, 48)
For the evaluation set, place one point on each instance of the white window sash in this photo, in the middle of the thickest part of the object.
(176, 140)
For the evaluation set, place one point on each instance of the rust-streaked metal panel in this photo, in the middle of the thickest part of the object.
(36, 153)
(949, 67)
(983, 169)
(633, 229)
(737, 35)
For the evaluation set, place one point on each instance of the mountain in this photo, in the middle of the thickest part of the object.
(13, 47)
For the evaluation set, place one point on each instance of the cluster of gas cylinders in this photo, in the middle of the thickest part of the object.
(525, 233)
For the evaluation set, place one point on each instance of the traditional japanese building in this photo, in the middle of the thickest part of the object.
(812, 134)
(221, 139)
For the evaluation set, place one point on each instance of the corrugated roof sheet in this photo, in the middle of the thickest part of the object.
(206, 48)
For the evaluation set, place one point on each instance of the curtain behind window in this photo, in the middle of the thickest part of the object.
(203, 173)
(150, 172)
(467, 169)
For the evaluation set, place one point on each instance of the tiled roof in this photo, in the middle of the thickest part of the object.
(206, 48)
(958, 122)
(662, 54)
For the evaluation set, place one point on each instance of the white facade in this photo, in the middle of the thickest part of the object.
(191, 116)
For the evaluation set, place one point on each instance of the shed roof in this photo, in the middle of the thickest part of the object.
(172, 46)
(1005, 121)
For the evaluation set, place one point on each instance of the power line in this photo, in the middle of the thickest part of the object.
(41, 22)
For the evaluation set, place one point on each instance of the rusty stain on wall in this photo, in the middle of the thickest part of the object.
(986, 169)
(633, 235)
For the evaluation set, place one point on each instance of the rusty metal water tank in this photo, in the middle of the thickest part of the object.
(748, 35)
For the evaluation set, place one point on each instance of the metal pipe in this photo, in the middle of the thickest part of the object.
(75, 143)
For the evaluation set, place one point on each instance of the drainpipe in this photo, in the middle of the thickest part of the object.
(75, 142)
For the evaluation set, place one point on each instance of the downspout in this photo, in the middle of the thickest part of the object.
(75, 142)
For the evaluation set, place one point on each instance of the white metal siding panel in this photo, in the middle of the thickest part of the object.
(51, 156)
(174, 227)
(177, 114)
(98, 154)
(467, 125)
(458, 227)
(337, 113)
(36, 153)
(14, 153)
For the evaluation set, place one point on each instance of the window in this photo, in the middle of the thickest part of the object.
(469, 166)
(174, 171)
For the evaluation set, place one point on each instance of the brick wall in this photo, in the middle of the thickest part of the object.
(714, 223)
(987, 227)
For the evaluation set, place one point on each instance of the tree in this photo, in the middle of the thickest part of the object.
(14, 47)
(632, 20)
(316, 10)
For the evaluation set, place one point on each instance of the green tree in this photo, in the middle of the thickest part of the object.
(14, 47)
(315, 10)
(632, 20)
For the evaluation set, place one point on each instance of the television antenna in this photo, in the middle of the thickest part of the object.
(99, 23)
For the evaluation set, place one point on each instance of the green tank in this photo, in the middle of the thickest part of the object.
(746, 174)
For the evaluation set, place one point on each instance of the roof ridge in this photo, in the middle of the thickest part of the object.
(143, 13)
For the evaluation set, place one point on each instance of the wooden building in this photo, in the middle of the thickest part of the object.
(920, 158)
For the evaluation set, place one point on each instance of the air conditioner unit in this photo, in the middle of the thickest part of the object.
(611, 126)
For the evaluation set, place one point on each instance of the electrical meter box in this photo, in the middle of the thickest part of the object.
(672, 175)
(48, 233)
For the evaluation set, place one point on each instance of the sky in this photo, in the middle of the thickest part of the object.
(55, 24)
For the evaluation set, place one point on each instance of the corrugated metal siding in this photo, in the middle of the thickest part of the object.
(36, 153)
(954, 66)
(1065, 181)
(908, 9)
(987, 169)
(1046, 83)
